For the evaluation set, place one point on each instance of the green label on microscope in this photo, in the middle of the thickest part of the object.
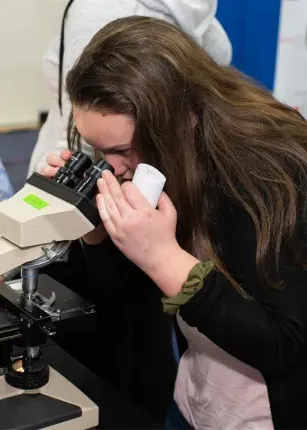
(35, 201)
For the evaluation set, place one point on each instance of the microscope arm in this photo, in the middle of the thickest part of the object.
(12, 257)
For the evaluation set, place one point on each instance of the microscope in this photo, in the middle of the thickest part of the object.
(36, 227)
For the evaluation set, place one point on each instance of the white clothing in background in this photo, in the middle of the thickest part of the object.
(85, 18)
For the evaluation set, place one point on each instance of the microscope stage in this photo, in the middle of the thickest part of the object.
(66, 305)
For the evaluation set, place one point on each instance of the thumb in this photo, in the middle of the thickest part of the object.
(165, 205)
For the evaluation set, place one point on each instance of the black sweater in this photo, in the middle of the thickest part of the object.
(268, 332)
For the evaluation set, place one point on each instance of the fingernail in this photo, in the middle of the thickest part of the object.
(100, 183)
(105, 173)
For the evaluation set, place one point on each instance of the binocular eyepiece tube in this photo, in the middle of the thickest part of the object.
(81, 174)
(73, 170)
(88, 186)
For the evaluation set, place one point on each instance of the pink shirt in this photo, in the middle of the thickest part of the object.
(216, 391)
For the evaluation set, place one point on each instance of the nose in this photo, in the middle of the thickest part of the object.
(117, 164)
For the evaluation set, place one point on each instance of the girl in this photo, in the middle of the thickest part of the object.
(226, 246)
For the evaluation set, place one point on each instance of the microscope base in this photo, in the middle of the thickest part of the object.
(56, 406)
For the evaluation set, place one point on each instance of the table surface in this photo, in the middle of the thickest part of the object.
(115, 411)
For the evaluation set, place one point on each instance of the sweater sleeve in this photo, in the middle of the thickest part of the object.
(267, 331)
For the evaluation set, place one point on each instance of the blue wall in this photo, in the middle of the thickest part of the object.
(252, 26)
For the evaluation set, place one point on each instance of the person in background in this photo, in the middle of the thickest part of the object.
(226, 246)
(81, 20)
(6, 189)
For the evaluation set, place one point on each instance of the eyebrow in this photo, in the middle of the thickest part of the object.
(115, 148)
(123, 147)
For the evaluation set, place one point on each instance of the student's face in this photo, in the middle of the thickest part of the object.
(111, 134)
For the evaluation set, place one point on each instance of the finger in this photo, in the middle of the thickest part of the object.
(110, 204)
(104, 215)
(55, 160)
(103, 212)
(49, 171)
(165, 205)
(134, 197)
(66, 154)
(117, 194)
(100, 185)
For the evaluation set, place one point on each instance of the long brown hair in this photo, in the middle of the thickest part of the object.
(209, 129)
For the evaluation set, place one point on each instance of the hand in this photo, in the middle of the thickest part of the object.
(2, 279)
(145, 235)
(54, 162)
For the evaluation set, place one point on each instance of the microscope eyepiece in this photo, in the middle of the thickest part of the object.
(88, 186)
(73, 170)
